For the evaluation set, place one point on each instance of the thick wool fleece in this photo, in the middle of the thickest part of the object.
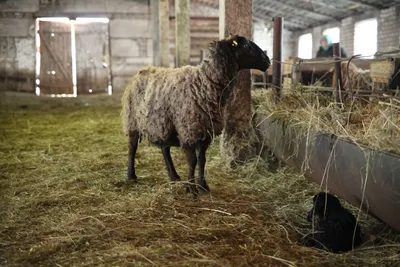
(187, 101)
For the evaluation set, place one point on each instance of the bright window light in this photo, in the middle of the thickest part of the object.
(90, 20)
(73, 54)
(305, 46)
(366, 37)
(334, 33)
(56, 19)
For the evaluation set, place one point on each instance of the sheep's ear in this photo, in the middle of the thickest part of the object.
(234, 43)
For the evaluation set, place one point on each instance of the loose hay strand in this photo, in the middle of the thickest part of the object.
(66, 201)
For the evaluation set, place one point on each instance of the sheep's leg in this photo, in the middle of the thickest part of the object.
(173, 175)
(202, 148)
(133, 144)
(191, 158)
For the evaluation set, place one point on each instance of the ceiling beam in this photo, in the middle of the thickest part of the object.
(296, 9)
(326, 7)
(276, 12)
(287, 24)
(361, 4)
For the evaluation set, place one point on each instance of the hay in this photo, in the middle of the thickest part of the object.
(375, 124)
(65, 201)
(353, 78)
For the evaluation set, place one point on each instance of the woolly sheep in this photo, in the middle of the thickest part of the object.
(336, 229)
(183, 107)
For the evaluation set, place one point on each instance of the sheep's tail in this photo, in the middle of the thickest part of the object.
(127, 109)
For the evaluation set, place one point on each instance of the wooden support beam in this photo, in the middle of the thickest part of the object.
(163, 6)
(155, 21)
(182, 32)
(277, 58)
(236, 18)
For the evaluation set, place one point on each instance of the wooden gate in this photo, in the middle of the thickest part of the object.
(55, 58)
(92, 57)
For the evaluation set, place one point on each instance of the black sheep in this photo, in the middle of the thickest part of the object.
(335, 228)
(184, 107)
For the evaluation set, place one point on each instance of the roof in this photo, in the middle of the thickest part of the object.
(303, 14)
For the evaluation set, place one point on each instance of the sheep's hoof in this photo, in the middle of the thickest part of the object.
(175, 178)
(192, 188)
(132, 179)
(203, 186)
(204, 190)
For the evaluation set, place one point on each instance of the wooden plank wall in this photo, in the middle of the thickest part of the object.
(56, 60)
(203, 31)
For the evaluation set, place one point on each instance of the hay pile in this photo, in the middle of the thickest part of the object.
(353, 77)
(375, 124)
(65, 201)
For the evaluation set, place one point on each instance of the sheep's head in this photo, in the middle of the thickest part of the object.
(248, 55)
(323, 203)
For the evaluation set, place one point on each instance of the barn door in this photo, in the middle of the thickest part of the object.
(55, 58)
(92, 57)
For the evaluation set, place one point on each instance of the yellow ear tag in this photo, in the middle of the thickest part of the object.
(234, 43)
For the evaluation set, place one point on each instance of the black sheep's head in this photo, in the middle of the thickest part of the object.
(323, 204)
(247, 54)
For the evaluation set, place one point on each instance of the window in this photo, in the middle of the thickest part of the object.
(366, 37)
(305, 46)
(334, 33)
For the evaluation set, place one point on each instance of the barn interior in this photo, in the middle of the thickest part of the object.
(307, 124)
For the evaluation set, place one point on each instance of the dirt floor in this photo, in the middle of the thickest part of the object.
(65, 201)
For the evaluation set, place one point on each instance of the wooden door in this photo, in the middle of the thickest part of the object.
(92, 59)
(55, 58)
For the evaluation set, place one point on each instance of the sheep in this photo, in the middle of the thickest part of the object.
(335, 228)
(183, 107)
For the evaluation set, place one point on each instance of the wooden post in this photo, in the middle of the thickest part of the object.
(338, 72)
(155, 21)
(236, 18)
(277, 58)
(163, 6)
(182, 33)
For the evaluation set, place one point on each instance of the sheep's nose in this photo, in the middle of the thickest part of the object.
(266, 60)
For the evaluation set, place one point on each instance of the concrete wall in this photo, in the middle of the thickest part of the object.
(130, 37)
(17, 51)
(347, 35)
(131, 48)
(388, 31)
